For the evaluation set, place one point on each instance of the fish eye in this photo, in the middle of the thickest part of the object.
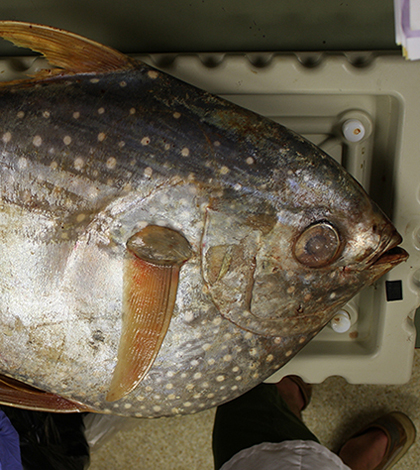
(317, 245)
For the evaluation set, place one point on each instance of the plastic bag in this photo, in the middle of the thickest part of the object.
(50, 441)
(100, 428)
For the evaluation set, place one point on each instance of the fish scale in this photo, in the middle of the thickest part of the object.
(162, 250)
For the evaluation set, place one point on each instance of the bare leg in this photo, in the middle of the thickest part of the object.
(292, 395)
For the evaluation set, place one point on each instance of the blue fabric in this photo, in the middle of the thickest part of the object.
(9, 445)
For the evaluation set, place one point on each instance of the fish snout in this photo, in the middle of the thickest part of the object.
(388, 255)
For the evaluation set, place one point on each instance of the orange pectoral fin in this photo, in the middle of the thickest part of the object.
(151, 280)
(19, 395)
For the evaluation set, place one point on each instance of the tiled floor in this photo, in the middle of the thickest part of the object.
(337, 409)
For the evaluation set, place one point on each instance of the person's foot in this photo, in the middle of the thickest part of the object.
(295, 392)
(381, 444)
(365, 452)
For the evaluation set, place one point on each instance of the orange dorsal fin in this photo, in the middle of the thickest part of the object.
(63, 49)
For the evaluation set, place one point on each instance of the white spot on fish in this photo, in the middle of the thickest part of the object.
(127, 406)
(148, 172)
(277, 340)
(333, 295)
(169, 386)
(206, 346)
(101, 110)
(211, 362)
(227, 336)
(153, 74)
(20, 114)
(291, 289)
(76, 115)
(54, 165)
(133, 111)
(227, 358)
(194, 363)
(92, 192)
(289, 353)
(250, 160)
(156, 408)
(167, 146)
(177, 115)
(269, 358)
(123, 84)
(67, 140)
(145, 141)
(190, 387)
(185, 152)
(237, 187)
(22, 163)
(46, 114)
(210, 395)
(171, 396)
(94, 80)
(248, 335)
(198, 375)
(187, 404)
(79, 163)
(111, 163)
(37, 141)
(81, 217)
(7, 137)
(101, 136)
(238, 378)
(220, 378)
(217, 321)
(216, 143)
(224, 170)
(252, 352)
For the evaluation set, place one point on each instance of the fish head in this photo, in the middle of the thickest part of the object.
(314, 243)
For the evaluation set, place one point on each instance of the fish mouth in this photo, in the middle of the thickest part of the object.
(391, 256)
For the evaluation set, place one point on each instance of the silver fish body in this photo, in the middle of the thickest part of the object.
(279, 237)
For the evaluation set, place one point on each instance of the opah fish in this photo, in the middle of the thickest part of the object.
(163, 250)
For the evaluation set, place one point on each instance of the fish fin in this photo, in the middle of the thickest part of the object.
(20, 395)
(155, 256)
(63, 49)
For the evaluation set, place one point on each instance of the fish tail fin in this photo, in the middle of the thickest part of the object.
(65, 50)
